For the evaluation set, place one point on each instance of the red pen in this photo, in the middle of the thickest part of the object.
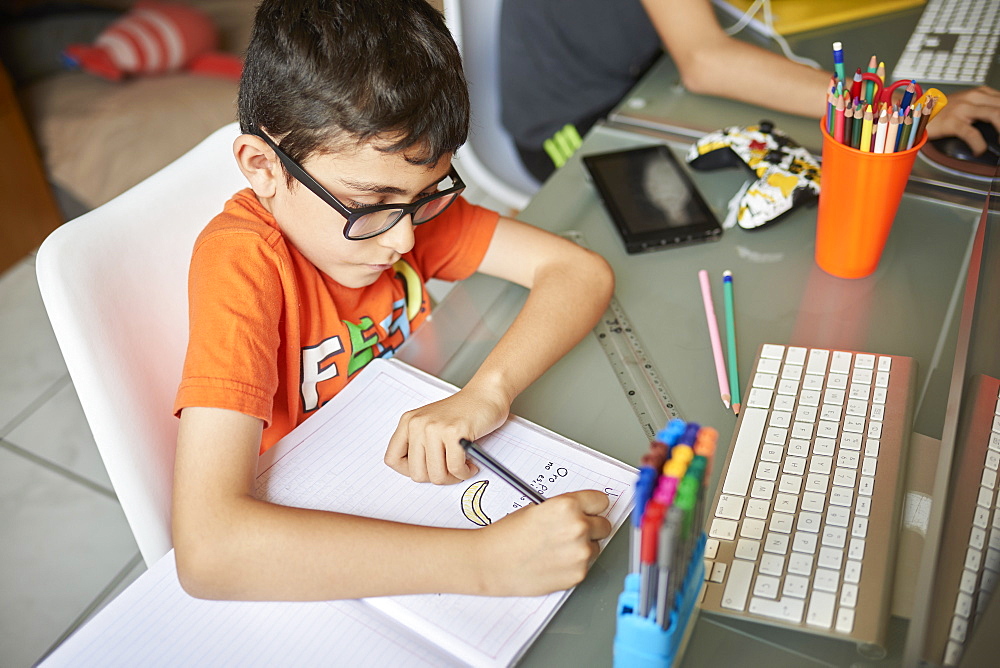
(652, 519)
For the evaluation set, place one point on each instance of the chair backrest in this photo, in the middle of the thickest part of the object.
(489, 157)
(114, 284)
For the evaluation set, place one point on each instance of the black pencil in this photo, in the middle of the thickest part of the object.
(524, 488)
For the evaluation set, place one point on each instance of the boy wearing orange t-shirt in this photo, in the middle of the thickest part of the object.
(351, 112)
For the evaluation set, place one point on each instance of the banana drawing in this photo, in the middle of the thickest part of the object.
(472, 503)
(414, 293)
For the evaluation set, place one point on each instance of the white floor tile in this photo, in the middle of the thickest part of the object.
(57, 431)
(62, 544)
(30, 361)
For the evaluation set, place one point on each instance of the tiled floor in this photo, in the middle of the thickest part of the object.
(65, 547)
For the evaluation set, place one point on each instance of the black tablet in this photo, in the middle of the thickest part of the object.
(651, 199)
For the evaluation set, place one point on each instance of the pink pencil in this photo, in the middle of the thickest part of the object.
(713, 333)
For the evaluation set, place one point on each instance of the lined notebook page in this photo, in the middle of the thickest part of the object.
(334, 461)
(155, 623)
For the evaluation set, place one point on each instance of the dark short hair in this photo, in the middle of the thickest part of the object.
(323, 75)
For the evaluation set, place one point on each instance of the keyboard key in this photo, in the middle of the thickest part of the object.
(752, 528)
(862, 376)
(775, 543)
(758, 508)
(786, 503)
(844, 477)
(852, 571)
(845, 620)
(767, 381)
(837, 381)
(790, 484)
(840, 362)
(800, 563)
(805, 542)
(884, 363)
(821, 606)
(825, 429)
(729, 507)
(849, 595)
(734, 596)
(865, 361)
(856, 548)
(744, 452)
(813, 383)
(831, 412)
(781, 419)
(776, 436)
(792, 372)
(711, 548)
(796, 355)
(871, 447)
(781, 523)
(816, 482)
(767, 365)
(841, 496)
(766, 586)
(850, 441)
(762, 489)
(830, 558)
(807, 414)
(824, 446)
(723, 529)
(834, 537)
(787, 608)
(820, 464)
(772, 564)
(817, 361)
(813, 502)
(759, 398)
(772, 351)
(747, 549)
(810, 522)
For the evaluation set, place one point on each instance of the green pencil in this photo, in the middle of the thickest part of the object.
(734, 379)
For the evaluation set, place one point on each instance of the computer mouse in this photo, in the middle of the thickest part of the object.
(955, 148)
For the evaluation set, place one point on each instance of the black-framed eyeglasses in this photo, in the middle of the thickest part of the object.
(370, 221)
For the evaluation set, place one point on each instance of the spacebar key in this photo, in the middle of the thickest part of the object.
(743, 458)
(738, 580)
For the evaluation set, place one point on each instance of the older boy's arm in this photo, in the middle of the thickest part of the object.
(569, 290)
(713, 63)
(231, 546)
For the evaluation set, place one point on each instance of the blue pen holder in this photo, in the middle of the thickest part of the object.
(639, 641)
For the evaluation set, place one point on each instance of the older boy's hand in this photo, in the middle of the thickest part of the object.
(547, 547)
(964, 108)
(425, 445)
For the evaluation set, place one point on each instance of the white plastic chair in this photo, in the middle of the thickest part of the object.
(114, 284)
(489, 158)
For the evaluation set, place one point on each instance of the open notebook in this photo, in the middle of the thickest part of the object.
(333, 461)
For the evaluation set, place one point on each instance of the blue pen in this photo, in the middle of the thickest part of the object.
(690, 434)
(838, 60)
(670, 434)
(643, 492)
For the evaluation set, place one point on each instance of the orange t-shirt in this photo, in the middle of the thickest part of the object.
(273, 337)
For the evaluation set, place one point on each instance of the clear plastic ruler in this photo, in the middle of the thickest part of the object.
(643, 387)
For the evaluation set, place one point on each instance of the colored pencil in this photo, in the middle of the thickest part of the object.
(713, 333)
(866, 131)
(734, 374)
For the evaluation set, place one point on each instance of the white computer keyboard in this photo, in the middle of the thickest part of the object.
(969, 563)
(954, 42)
(806, 514)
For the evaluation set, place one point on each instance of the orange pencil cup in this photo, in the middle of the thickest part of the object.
(858, 198)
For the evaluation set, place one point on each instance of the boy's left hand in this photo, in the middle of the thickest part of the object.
(425, 445)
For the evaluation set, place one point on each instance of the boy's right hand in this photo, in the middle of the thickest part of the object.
(546, 547)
